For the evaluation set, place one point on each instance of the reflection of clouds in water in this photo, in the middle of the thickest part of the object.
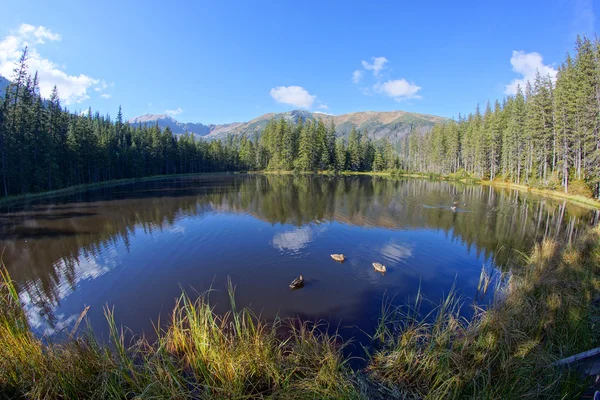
(60, 324)
(33, 300)
(39, 309)
(296, 239)
(396, 252)
(176, 229)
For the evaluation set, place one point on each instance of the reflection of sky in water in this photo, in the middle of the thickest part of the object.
(205, 242)
(296, 239)
(85, 269)
(396, 252)
(84, 272)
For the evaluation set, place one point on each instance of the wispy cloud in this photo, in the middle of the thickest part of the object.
(295, 96)
(72, 88)
(357, 76)
(177, 111)
(377, 64)
(106, 95)
(527, 65)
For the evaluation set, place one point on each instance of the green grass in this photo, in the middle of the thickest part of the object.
(540, 313)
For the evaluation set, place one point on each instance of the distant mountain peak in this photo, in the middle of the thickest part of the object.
(150, 118)
(165, 120)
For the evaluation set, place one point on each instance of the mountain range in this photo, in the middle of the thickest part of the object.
(392, 125)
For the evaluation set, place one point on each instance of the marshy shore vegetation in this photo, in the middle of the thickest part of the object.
(541, 312)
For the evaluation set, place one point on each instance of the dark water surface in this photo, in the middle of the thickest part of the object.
(136, 246)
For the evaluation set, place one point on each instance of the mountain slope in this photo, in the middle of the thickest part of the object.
(392, 125)
(164, 120)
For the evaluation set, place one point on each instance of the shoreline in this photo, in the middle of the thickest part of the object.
(580, 200)
(115, 182)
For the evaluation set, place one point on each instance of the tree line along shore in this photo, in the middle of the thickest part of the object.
(546, 136)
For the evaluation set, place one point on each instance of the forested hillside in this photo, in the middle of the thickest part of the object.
(45, 147)
(547, 135)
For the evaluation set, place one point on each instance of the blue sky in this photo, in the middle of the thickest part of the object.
(225, 61)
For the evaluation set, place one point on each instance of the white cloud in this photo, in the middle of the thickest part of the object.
(174, 112)
(106, 95)
(399, 89)
(526, 65)
(149, 104)
(296, 96)
(39, 34)
(376, 66)
(322, 106)
(71, 88)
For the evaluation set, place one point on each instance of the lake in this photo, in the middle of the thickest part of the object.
(137, 246)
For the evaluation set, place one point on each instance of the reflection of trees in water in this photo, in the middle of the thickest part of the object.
(85, 227)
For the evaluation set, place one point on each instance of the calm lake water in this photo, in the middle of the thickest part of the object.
(136, 246)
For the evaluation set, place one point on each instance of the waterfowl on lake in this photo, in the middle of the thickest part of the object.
(456, 202)
(379, 267)
(338, 257)
(297, 283)
(453, 208)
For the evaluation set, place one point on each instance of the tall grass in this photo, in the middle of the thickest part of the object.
(539, 313)
(199, 355)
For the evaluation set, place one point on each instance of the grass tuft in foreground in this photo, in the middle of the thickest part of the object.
(200, 355)
(540, 313)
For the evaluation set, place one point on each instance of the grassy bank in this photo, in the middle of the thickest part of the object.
(544, 192)
(541, 312)
(200, 355)
(582, 200)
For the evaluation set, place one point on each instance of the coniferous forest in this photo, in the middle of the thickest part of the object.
(547, 135)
